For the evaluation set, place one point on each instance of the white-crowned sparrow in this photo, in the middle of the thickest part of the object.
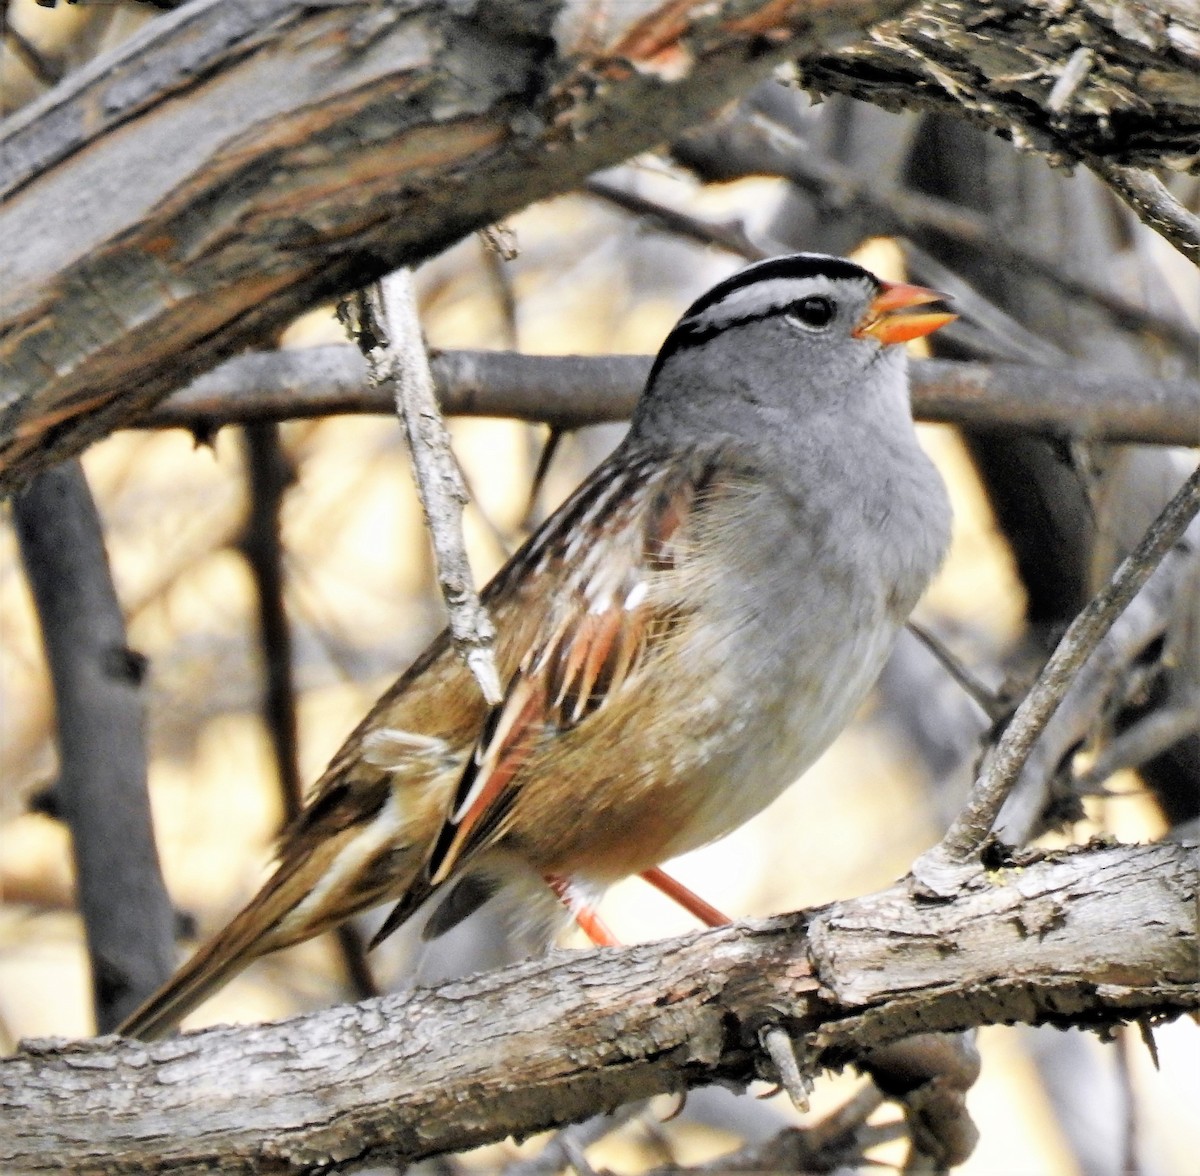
(679, 641)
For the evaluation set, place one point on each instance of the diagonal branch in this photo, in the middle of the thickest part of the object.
(938, 870)
(237, 161)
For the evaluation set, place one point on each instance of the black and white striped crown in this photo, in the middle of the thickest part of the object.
(759, 290)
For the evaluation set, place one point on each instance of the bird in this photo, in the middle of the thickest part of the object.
(676, 644)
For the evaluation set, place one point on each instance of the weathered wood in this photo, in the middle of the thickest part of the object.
(1088, 80)
(1090, 937)
(236, 162)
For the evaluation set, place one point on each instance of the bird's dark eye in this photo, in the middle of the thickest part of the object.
(813, 313)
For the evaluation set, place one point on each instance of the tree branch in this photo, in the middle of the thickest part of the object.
(388, 331)
(319, 147)
(101, 787)
(322, 146)
(749, 141)
(1131, 101)
(1092, 937)
(566, 392)
(936, 871)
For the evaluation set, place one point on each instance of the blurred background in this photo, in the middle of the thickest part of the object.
(592, 278)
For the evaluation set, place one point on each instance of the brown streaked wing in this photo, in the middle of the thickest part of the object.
(590, 646)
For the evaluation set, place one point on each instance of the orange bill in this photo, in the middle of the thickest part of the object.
(900, 312)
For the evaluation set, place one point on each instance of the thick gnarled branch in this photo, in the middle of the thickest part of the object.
(236, 162)
(321, 146)
(1090, 937)
(1085, 81)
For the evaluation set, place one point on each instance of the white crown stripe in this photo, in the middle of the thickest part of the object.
(754, 301)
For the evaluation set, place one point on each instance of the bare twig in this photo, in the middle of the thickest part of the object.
(1130, 1161)
(796, 1080)
(831, 1144)
(1114, 672)
(992, 705)
(730, 236)
(554, 1156)
(101, 788)
(48, 73)
(269, 475)
(389, 333)
(568, 391)
(1149, 197)
(994, 333)
(938, 869)
(1148, 737)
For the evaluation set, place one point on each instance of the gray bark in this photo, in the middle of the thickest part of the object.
(236, 162)
(1094, 936)
(101, 786)
(571, 391)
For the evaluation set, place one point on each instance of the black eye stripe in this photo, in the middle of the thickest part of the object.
(796, 266)
(692, 329)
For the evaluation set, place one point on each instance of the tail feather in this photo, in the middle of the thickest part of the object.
(311, 892)
(202, 975)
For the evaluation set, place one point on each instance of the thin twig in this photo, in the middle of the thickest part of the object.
(835, 1142)
(792, 1077)
(389, 333)
(269, 474)
(557, 1152)
(1148, 737)
(756, 144)
(940, 866)
(1150, 198)
(1003, 336)
(730, 236)
(985, 698)
(1117, 671)
(47, 72)
(1130, 1163)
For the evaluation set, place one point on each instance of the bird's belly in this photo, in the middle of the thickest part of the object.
(737, 747)
(793, 727)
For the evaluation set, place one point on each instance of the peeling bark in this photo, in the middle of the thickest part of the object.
(235, 163)
(1092, 937)
(1088, 80)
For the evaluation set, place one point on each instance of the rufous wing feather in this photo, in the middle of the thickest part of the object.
(584, 656)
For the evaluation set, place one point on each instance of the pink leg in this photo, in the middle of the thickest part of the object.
(692, 903)
(582, 912)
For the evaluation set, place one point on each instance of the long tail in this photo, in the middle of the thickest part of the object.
(311, 892)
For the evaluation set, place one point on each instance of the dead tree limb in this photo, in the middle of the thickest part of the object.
(1091, 937)
(101, 787)
(236, 162)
